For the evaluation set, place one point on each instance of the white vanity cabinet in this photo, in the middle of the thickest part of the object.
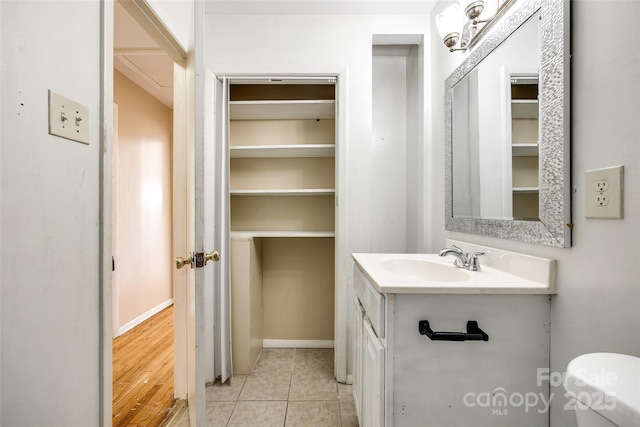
(402, 378)
(358, 323)
(369, 353)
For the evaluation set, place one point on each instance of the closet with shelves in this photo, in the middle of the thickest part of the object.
(524, 146)
(282, 200)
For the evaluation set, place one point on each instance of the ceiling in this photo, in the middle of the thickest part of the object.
(139, 58)
(319, 7)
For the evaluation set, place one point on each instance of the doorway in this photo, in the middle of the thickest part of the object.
(282, 143)
(307, 211)
(143, 282)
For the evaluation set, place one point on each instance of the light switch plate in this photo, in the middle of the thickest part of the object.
(68, 119)
(603, 191)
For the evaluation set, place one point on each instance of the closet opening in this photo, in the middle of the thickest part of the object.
(282, 191)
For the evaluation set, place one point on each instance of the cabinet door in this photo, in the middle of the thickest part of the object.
(358, 318)
(373, 378)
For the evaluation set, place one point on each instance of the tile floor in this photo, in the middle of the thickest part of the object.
(288, 387)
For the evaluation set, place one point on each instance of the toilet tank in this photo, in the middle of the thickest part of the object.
(607, 384)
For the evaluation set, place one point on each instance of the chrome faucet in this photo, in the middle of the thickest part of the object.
(463, 260)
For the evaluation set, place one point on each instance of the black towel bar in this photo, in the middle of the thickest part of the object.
(474, 333)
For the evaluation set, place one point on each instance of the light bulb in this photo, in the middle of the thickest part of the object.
(449, 24)
(472, 8)
(489, 11)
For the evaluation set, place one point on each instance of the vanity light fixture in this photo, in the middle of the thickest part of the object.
(458, 23)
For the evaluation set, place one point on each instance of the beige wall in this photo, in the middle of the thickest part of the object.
(298, 288)
(143, 231)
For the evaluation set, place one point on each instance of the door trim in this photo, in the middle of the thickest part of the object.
(144, 15)
(115, 222)
(105, 211)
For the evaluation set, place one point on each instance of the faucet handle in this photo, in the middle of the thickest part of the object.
(474, 262)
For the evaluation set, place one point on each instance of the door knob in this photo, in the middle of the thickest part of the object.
(181, 262)
(212, 256)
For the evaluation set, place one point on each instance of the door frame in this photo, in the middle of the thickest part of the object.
(105, 350)
(158, 30)
(115, 279)
(342, 292)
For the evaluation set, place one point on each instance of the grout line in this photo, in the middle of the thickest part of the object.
(232, 410)
(235, 402)
(286, 412)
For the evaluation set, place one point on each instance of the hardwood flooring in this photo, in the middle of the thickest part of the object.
(143, 373)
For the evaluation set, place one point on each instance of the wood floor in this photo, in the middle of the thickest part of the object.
(143, 373)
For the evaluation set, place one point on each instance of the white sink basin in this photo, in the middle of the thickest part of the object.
(501, 272)
(422, 269)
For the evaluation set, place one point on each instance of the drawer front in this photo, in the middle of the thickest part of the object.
(371, 300)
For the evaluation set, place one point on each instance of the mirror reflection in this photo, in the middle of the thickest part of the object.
(495, 132)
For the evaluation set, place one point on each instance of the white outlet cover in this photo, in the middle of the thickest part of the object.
(612, 194)
(68, 119)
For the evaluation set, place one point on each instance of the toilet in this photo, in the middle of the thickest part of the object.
(604, 389)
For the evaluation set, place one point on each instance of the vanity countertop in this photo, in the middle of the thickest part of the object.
(502, 272)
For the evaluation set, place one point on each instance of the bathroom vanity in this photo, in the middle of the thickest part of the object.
(403, 378)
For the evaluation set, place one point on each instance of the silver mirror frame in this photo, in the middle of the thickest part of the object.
(554, 227)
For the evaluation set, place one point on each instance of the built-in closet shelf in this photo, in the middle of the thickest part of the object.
(257, 233)
(284, 110)
(525, 190)
(525, 150)
(285, 192)
(282, 151)
(524, 108)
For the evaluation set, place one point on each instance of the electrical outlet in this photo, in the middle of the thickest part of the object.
(68, 119)
(604, 193)
(602, 185)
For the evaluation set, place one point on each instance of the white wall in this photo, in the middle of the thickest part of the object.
(177, 16)
(389, 145)
(283, 41)
(1, 138)
(49, 217)
(415, 146)
(288, 42)
(597, 307)
(398, 141)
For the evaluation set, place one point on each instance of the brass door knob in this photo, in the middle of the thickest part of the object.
(181, 262)
(212, 256)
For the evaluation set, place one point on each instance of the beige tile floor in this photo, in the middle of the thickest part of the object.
(288, 387)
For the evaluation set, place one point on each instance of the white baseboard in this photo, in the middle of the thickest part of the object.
(297, 344)
(144, 316)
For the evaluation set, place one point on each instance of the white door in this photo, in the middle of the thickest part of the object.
(208, 317)
(189, 281)
(200, 223)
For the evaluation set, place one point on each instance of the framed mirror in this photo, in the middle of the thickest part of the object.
(507, 129)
